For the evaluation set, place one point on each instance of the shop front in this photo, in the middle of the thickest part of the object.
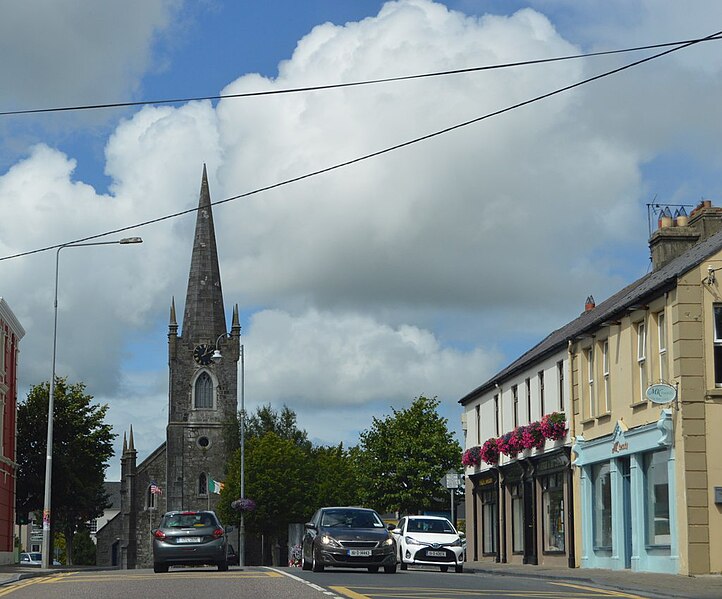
(627, 500)
(485, 516)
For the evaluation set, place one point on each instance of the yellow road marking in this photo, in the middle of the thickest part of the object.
(348, 593)
(606, 592)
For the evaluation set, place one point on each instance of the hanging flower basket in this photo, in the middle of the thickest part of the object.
(490, 451)
(472, 456)
(554, 426)
(532, 436)
(243, 505)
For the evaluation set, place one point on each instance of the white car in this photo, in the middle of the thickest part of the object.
(429, 541)
(33, 558)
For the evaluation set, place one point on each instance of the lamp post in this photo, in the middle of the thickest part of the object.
(46, 558)
(217, 357)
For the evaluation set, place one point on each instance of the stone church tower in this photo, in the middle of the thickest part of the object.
(202, 395)
(202, 401)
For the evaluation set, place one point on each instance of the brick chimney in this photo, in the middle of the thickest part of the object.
(589, 304)
(675, 236)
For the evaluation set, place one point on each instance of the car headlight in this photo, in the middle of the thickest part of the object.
(389, 541)
(456, 543)
(330, 541)
(411, 541)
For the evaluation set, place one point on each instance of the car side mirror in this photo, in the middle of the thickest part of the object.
(310, 525)
(396, 531)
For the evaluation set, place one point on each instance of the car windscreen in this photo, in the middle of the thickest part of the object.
(347, 518)
(430, 526)
(36, 557)
(188, 521)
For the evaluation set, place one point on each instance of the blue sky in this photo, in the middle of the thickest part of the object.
(423, 271)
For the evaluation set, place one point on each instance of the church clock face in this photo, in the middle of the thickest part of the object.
(202, 354)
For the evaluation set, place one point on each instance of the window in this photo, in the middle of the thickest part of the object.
(477, 414)
(204, 391)
(542, 409)
(490, 519)
(642, 359)
(93, 526)
(590, 383)
(496, 415)
(515, 399)
(202, 484)
(662, 337)
(607, 384)
(560, 391)
(602, 506)
(527, 385)
(517, 518)
(553, 506)
(656, 482)
(718, 345)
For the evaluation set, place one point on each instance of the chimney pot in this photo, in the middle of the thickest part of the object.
(589, 304)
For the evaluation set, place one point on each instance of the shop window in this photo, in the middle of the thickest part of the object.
(517, 518)
(203, 391)
(642, 360)
(657, 498)
(662, 338)
(553, 506)
(718, 345)
(490, 519)
(605, 374)
(602, 506)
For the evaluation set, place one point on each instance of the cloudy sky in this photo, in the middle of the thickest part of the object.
(420, 271)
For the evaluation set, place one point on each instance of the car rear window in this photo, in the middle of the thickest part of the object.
(195, 520)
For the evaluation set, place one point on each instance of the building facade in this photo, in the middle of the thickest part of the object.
(202, 400)
(644, 390)
(519, 498)
(11, 332)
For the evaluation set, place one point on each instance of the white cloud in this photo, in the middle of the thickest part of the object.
(362, 284)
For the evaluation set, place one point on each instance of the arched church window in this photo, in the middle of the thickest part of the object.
(204, 391)
(203, 484)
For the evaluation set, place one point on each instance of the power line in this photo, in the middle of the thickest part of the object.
(378, 152)
(295, 90)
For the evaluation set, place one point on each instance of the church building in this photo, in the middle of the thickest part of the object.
(202, 400)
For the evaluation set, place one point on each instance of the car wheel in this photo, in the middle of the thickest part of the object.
(223, 566)
(390, 569)
(159, 568)
(304, 564)
(404, 566)
(459, 569)
(315, 566)
(444, 568)
(373, 568)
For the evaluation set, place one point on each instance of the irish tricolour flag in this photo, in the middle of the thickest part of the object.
(215, 486)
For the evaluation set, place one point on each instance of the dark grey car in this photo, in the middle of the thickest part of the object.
(348, 537)
(190, 539)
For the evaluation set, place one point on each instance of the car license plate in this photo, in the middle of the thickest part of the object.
(432, 553)
(359, 552)
(189, 539)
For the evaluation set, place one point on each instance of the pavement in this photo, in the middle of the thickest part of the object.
(644, 584)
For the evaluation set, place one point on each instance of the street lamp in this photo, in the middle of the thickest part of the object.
(217, 357)
(46, 559)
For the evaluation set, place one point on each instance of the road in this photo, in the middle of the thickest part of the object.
(293, 583)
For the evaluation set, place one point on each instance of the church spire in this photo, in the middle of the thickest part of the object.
(204, 318)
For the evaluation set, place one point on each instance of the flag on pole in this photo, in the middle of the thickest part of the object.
(155, 489)
(215, 486)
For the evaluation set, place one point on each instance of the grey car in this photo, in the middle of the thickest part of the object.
(348, 537)
(190, 538)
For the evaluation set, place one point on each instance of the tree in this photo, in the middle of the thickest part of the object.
(82, 448)
(335, 479)
(283, 424)
(402, 458)
(83, 548)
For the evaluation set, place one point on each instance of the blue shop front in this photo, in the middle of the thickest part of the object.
(628, 509)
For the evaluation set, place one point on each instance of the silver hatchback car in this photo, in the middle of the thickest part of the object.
(190, 539)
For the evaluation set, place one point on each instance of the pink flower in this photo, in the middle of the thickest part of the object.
(554, 426)
(490, 451)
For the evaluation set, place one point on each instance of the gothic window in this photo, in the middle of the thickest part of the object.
(202, 484)
(203, 391)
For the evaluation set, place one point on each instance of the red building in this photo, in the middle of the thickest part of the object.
(10, 334)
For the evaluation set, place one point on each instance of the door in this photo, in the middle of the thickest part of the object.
(530, 556)
(624, 471)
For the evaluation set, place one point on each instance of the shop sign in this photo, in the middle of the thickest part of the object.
(661, 393)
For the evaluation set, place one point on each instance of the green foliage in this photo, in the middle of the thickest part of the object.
(83, 548)
(82, 448)
(283, 424)
(402, 457)
(335, 479)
